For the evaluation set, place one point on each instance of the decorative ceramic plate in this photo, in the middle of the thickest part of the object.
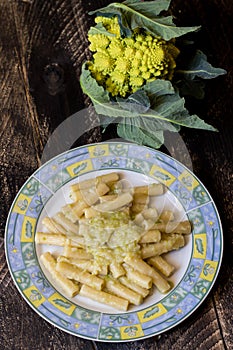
(197, 264)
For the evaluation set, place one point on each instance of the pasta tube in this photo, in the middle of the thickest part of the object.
(52, 225)
(75, 273)
(141, 266)
(183, 227)
(166, 215)
(66, 223)
(122, 291)
(57, 239)
(90, 212)
(84, 264)
(155, 189)
(122, 200)
(104, 297)
(74, 252)
(91, 195)
(162, 265)
(138, 207)
(69, 287)
(117, 269)
(173, 242)
(151, 236)
(92, 182)
(140, 290)
(137, 277)
(140, 198)
(150, 213)
(69, 213)
(108, 198)
(78, 207)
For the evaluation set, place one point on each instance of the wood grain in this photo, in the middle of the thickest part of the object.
(42, 47)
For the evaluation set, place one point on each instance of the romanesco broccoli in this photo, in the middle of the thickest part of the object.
(123, 65)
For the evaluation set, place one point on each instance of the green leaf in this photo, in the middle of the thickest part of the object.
(137, 102)
(200, 67)
(192, 121)
(148, 7)
(206, 269)
(138, 123)
(144, 131)
(100, 97)
(134, 15)
(171, 109)
(130, 329)
(194, 88)
(112, 11)
(79, 168)
(28, 232)
(158, 87)
(199, 245)
(151, 312)
(62, 303)
(90, 87)
(130, 130)
(159, 175)
(99, 29)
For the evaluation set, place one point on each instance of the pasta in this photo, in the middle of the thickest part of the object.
(70, 288)
(113, 242)
(104, 297)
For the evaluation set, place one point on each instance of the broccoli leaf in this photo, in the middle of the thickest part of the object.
(158, 87)
(99, 29)
(90, 87)
(194, 88)
(137, 102)
(200, 67)
(144, 15)
(167, 110)
(148, 7)
(100, 97)
(171, 109)
(132, 130)
(190, 80)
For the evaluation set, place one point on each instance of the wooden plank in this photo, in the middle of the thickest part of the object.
(43, 44)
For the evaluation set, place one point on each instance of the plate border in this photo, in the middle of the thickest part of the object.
(102, 314)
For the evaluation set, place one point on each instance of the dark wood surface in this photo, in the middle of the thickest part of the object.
(42, 47)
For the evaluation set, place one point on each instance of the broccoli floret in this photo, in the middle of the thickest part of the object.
(123, 65)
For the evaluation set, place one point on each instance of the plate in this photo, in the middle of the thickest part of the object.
(197, 264)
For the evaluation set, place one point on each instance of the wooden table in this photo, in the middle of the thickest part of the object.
(43, 44)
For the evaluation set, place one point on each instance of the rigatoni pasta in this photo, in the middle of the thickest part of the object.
(70, 288)
(113, 242)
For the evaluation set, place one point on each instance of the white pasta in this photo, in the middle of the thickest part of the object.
(112, 240)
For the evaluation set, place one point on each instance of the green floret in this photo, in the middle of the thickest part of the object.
(136, 62)
(136, 83)
(98, 41)
(103, 62)
(111, 24)
(123, 65)
(129, 42)
(118, 77)
(116, 48)
(134, 72)
(129, 52)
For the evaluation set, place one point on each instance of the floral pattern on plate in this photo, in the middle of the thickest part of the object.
(149, 320)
